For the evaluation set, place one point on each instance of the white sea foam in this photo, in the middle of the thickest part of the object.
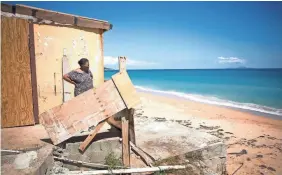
(215, 101)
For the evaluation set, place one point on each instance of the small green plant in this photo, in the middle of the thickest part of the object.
(160, 173)
(113, 161)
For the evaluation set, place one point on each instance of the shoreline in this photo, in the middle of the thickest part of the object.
(250, 111)
(258, 135)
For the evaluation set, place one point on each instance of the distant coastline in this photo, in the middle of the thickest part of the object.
(108, 69)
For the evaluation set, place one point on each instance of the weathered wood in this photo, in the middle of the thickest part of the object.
(131, 126)
(6, 8)
(125, 142)
(84, 22)
(142, 154)
(91, 136)
(23, 10)
(113, 122)
(55, 16)
(84, 111)
(132, 170)
(126, 89)
(67, 87)
(17, 104)
(95, 165)
(61, 18)
(33, 73)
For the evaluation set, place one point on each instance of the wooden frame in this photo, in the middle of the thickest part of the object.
(45, 16)
(33, 74)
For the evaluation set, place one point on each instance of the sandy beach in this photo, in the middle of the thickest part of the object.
(254, 143)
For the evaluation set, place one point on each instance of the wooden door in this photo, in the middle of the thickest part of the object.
(17, 102)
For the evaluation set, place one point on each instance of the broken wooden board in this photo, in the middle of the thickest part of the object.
(126, 89)
(87, 110)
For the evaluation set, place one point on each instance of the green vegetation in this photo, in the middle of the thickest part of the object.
(113, 161)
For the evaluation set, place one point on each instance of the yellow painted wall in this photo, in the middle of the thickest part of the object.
(51, 43)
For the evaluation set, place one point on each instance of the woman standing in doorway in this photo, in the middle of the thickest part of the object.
(81, 78)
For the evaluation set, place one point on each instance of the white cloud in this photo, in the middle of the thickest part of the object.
(109, 60)
(223, 60)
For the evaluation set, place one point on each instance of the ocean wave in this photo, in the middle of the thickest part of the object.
(215, 101)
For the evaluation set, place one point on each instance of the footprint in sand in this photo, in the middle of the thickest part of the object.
(271, 169)
(228, 133)
(259, 156)
(263, 166)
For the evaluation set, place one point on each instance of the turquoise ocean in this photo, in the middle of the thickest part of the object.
(253, 90)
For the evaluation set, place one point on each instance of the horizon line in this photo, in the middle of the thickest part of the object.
(195, 69)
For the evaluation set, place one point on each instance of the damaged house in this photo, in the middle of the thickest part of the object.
(38, 47)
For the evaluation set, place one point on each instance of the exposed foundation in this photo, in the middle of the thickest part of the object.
(167, 144)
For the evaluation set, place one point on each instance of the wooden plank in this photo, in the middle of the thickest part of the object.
(23, 10)
(126, 89)
(84, 22)
(125, 142)
(6, 8)
(54, 16)
(113, 122)
(33, 74)
(86, 142)
(63, 18)
(82, 112)
(17, 105)
(131, 126)
(91, 136)
(142, 154)
(67, 87)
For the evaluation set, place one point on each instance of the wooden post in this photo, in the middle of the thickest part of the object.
(125, 140)
(124, 123)
(131, 126)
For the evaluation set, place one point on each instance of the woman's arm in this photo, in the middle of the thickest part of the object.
(67, 78)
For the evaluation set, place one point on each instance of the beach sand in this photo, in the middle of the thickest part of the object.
(257, 138)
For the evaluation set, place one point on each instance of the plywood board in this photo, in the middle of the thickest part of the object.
(17, 105)
(126, 89)
(82, 112)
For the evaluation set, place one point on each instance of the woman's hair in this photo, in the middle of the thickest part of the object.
(83, 61)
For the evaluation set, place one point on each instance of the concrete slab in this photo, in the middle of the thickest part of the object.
(11, 164)
(23, 160)
(95, 153)
(166, 140)
(23, 138)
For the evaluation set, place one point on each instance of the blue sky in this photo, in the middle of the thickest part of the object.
(158, 35)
